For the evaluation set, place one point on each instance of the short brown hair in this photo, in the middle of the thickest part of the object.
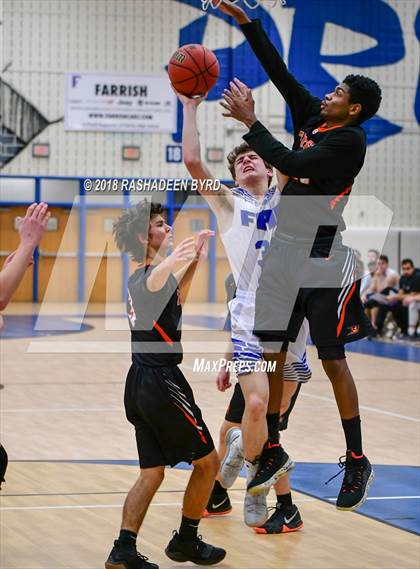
(134, 222)
(237, 151)
(407, 262)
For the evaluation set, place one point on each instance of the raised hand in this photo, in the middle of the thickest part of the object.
(31, 230)
(202, 243)
(191, 101)
(231, 10)
(239, 103)
(185, 251)
(32, 226)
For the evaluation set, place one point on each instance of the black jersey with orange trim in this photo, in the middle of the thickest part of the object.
(324, 161)
(155, 320)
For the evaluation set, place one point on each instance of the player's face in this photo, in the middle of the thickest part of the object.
(160, 234)
(407, 270)
(336, 106)
(249, 167)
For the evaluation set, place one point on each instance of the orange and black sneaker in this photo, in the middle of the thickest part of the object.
(285, 519)
(358, 476)
(273, 464)
(219, 505)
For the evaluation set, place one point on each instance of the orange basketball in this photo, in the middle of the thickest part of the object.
(193, 70)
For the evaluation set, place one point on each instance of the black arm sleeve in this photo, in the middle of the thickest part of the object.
(340, 154)
(301, 103)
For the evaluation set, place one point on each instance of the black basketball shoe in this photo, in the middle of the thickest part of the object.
(195, 550)
(219, 505)
(358, 476)
(273, 464)
(285, 519)
(127, 558)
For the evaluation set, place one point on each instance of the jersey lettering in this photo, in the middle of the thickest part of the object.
(262, 245)
(305, 142)
(265, 219)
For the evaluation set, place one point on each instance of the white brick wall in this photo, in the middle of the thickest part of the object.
(44, 39)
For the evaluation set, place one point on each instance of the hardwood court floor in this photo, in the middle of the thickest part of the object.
(68, 407)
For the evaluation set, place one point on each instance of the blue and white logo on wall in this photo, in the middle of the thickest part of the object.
(375, 22)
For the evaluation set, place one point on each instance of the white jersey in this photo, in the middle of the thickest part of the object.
(246, 242)
(249, 236)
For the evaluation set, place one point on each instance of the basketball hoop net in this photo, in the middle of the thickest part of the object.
(252, 4)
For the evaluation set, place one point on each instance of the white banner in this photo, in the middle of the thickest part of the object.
(120, 103)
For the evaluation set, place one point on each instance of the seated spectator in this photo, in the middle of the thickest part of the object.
(384, 284)
(372, 256)
(409, 289)
(366, 281)
(410, 283)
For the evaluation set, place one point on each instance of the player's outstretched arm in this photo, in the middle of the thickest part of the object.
(220, 200)
(31, 230)
(184, 252)
(185, 275)
(338, 154)
(235, 11)
(299, 99)
(282, 180)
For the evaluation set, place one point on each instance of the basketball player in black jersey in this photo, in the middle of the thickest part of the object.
(158, 399)
(328, 152)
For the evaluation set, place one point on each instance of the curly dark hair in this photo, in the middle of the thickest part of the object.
(366, 92)
(134, 222)
(237, 151)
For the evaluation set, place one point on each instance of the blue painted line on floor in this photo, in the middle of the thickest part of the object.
(390, 481)
(405, 352)
(396, 487)
(212, 322)
(23, 326)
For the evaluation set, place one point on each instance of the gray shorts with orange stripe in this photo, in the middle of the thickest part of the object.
(288, 292)
(159, 402)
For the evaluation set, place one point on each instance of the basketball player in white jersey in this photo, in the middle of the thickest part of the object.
(246, 219)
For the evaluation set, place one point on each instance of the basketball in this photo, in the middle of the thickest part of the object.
(193, 70)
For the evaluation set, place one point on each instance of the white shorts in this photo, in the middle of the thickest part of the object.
(247, 347)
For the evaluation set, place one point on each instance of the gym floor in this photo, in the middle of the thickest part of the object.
(73, 455)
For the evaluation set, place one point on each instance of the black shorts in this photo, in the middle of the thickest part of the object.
(284, 295)
(159, 402)
(236, 407)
